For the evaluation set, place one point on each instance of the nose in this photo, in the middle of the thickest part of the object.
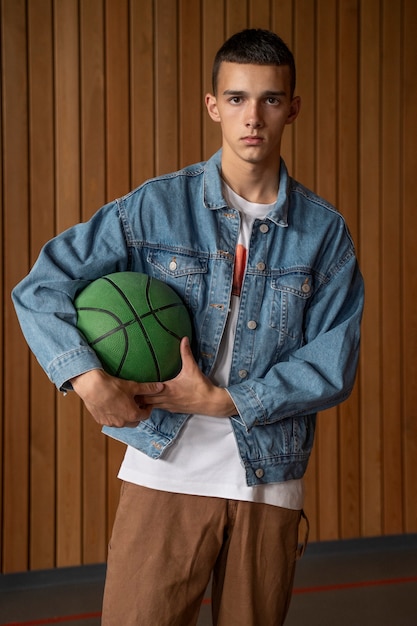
(254, 117)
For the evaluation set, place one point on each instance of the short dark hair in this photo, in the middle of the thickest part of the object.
(256, 46)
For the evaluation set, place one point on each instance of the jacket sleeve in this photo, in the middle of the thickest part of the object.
(321, 373)
(43, 300)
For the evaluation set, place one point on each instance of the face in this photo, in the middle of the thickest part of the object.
(253, 105)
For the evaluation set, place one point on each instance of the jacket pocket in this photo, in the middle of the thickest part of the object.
(291, 294)
(183, 272)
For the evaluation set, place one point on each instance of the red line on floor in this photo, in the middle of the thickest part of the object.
(297, 590)
(355, 585)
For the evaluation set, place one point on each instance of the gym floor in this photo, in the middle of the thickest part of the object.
(366, 582)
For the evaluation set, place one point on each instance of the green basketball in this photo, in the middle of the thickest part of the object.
(135, 324)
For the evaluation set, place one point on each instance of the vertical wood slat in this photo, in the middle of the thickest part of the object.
(15, 454)
(85, 117)
(392, 408)
(236, 16)
(213, 20)
(117, 160)
(142, 90)
(117, 98)
(93, 195)
(409, 277)
(191, 96)
(166, 79)
(347, 201)
(325, 124)
(348, 204)
(304, 170)
(282, 23)
(259, 13)
(67, 155)
(371, 484)
(304, 128)
(2, 292)
(42, 227)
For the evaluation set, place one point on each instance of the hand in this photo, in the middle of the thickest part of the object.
(113, 401)
(191, 391)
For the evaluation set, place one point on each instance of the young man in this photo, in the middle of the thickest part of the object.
(212, 477)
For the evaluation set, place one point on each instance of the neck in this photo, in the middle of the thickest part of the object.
(252, 181)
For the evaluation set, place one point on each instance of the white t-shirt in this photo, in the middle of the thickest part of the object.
(204, 458)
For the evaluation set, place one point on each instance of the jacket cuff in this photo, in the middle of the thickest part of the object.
(71, 364)
(251, 411)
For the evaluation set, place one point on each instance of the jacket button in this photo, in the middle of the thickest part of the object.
(259, 473)
(264, 228)
(243, 373)
(252, 325)
(173, 266)
(260, 266)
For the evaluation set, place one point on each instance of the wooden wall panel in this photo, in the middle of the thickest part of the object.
(370, 239)
(259, 14)
(42, 226)
(98, 96)
(93, 194)
(391, 271)
(348, 203)
(328, 475)
(409, 276)
(236, 16)
(213, 25)
(303, 168)
(282, 22)
(2, 318)
(191, 92)
(117, 133)
(142, 91)
(166, 86)
(67, 212)
(15, 402)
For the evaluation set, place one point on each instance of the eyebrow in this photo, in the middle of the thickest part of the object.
(237, 92)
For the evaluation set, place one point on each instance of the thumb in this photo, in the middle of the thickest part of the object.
(186, 353)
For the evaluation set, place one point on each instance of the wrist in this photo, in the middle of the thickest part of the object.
(224, 403)
(86, 379)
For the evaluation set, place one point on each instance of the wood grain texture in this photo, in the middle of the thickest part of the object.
(409, 237)
(370, 246)
(42, 226)
(16, 247)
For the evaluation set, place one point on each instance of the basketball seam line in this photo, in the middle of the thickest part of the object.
(139, 321)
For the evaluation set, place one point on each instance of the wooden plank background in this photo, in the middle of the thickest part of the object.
(97, 96)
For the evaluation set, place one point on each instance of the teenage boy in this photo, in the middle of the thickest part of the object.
(212, 476)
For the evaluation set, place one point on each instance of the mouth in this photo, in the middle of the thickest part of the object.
(252, 140)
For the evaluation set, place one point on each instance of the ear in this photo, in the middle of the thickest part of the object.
(294, 110)
(211, 104)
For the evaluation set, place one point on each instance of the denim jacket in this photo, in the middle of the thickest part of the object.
(297, 338)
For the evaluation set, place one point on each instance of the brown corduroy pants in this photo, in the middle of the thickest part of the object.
(166, 546)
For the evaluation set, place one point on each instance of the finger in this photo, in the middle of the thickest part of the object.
(142, 403)
(145, 389)
(132, 424)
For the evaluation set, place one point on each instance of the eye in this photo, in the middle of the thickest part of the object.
(235, 99)
(273, 100)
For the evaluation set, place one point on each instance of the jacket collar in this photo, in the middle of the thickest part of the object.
(214, 199)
